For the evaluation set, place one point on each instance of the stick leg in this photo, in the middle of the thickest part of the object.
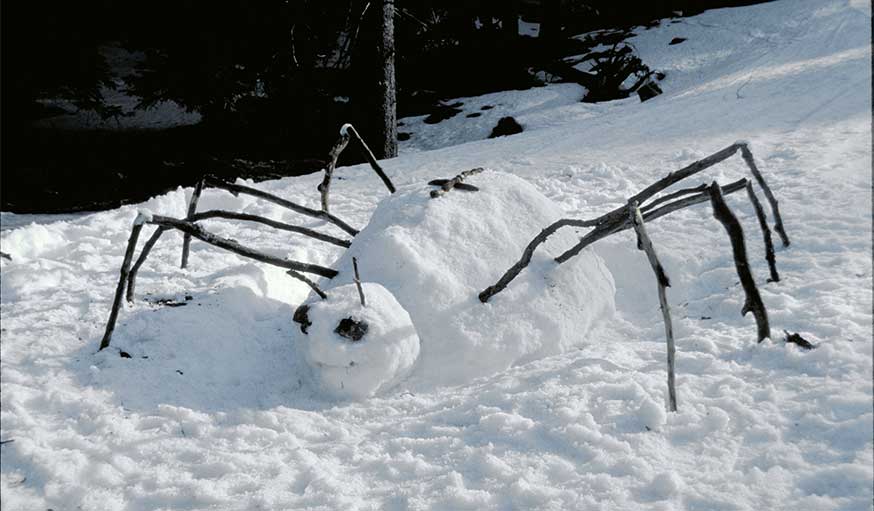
(645, 244)
(778, 220)
(766, 233)
(753, 302)
(192, 208)
(122, 280)
(132, 277)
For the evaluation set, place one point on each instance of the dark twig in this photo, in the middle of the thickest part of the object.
(778, 220)
(232, 246)
(6, 256)
(144, 253)
(753, 302)
(122, 279)
(301, 277)
(192, 208)
(645, 244)
(236, 189)
(370, 157)
(601, 230)
(458, 186)
(358, 282)
(766, 233)
(204, 215)
(451, 183)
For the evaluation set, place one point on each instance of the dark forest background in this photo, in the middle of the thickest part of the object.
(272, 80)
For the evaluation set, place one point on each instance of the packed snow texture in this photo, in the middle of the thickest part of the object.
(222, 415)
(356, 369)
(436, 255)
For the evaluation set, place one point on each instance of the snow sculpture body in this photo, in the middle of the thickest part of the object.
(430, 258)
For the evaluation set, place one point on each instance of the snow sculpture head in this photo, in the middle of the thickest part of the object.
(431, 257)
(385, 350)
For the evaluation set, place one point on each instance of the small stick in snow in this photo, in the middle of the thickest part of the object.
(6, 256)
(766, 233)
(192, 208)
(451, 183)
(122, 280)
(315, 287)
(645, 244)
(778, 220)
(370, 158)
(358, 281)
(132, 276)
(458, 186)
(753, 302)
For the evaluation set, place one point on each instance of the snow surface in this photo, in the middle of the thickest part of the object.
(223, 415)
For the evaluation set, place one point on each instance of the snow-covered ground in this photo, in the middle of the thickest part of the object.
(215, 409)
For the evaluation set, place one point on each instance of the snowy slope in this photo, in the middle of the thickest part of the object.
(221, 415)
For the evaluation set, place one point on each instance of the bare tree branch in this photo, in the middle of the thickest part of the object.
(645, 244)
(192, 208)
(753, 302)
(236, 189)
(204, 215)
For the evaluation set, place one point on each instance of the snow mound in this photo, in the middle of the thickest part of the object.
(347, 368)
(436, 255)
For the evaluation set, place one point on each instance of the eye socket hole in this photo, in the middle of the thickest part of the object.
(351, 329)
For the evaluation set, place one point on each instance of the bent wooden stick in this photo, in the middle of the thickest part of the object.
(192, 208)
(122, 279)
(753, 302)
(645, 244)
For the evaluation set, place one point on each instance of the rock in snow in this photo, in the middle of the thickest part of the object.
(436, 255)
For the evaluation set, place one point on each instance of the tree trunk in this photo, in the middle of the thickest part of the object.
(387, 144)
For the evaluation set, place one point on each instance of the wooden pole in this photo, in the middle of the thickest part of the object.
(122, 279)
(371, 158)
(753, 302)
(236, 189)
(232, 246)
(215, 213)
(192, 208)
(747, 155)
(766, 233)
(645, 244)
(132, 276)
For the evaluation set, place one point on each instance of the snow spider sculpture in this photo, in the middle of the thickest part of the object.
(429, 256)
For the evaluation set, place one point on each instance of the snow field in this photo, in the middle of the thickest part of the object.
(760, 426)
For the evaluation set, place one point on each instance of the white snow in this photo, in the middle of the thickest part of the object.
(356, 369)
(224, 413)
